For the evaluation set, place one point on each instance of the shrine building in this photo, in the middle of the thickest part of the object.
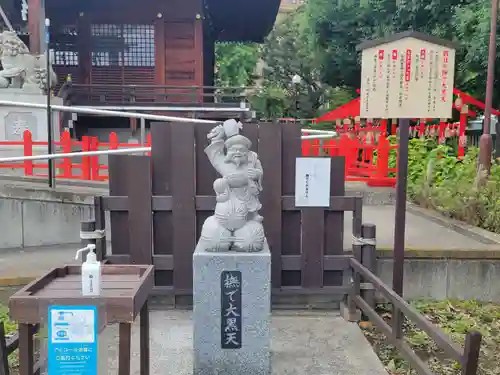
(149, 56)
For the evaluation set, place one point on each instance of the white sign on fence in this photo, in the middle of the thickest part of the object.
(312, 182)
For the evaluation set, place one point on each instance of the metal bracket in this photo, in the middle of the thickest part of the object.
(359, 241)
(94, 235)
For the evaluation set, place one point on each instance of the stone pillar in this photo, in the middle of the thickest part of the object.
(232, 312)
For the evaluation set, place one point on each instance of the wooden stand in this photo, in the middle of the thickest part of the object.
(125, 291)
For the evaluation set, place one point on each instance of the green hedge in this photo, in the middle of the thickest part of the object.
(438, 180)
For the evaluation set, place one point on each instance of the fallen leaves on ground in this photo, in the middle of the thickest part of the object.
(455, 318)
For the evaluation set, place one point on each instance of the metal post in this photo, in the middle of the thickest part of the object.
(143, 131)
(368, 259)
(49, 110)
(400, 220)
(485, 142)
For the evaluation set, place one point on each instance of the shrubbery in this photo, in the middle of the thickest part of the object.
(438, 180)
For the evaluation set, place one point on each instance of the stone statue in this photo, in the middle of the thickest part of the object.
(236, 224)
(22, 70)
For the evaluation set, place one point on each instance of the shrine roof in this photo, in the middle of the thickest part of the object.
(242, 20)
(406, 34)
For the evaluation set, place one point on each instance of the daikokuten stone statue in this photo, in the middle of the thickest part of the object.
(236, 224)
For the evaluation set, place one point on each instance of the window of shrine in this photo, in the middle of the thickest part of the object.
(124, 45)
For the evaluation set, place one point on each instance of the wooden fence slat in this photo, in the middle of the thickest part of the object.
(4, 362)
(291, 139)
(291, 228)
(270, 156)
(162, 220)
(312, 244)
(184, 210)
(251, 131)
(334, 225)
(140, 223)
(26, 349)
(205, 173)
(100, 224)
(118, 187)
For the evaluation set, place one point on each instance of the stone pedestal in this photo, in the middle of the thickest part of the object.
(15, 120)
(232, 313)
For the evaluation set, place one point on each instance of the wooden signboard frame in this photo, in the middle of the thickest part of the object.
(407, 75)
(398, 93)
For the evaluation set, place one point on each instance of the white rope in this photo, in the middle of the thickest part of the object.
(134, 150)
(94, 235)
(363, 241)
(96, 111)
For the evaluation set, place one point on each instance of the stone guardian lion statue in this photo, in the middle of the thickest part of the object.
(21, 69)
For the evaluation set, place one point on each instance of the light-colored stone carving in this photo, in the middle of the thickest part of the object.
(236, 224)
(22, 70)
(17, 122)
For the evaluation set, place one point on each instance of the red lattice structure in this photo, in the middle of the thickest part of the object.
(346, 120)
(366, 158)
(89, 168)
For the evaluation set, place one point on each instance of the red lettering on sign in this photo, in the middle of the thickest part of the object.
(408, 65)
(394, 54)
(380, 54)
(445, 57)
(422, 54)
(444, 76)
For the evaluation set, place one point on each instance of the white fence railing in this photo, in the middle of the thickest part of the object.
(314, 133)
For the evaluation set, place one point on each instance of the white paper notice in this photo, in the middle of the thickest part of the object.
(312, 182)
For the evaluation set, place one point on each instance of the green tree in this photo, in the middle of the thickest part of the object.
(472, 27)
(235, 64)
(289, 51)
(338, 26)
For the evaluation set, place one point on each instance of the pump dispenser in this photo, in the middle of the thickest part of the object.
(91, 272)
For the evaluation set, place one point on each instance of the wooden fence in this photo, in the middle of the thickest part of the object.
(9, 345)
(157, 209)
(307, 244)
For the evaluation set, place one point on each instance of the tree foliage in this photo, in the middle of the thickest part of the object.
(338, 26)
(289, 51)
(472, 29)
(318, 43)
(235, 64)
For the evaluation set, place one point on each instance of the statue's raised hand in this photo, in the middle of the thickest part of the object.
(253, 173)
(216, 133)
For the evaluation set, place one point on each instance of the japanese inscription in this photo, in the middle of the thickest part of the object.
(401, 79)
(231, 314)
(16, 123)
(407, 78)
(444, 76)
(387, 84)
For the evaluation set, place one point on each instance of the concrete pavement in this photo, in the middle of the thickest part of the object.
(425, 232)
(312, 343)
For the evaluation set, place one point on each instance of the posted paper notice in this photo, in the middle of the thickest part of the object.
(312, 182)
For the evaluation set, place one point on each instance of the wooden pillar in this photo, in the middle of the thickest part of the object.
(160, 49)
(35, 24)
(198, 42)
(84, 47)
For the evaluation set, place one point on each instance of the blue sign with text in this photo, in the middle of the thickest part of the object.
(72, 340)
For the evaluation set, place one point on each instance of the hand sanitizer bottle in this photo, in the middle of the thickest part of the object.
(91, 272)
